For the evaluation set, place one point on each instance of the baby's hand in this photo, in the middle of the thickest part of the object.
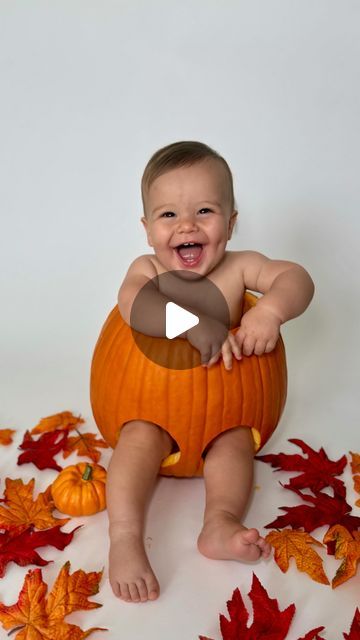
(207, 337)
(259, 331)
(228, 349)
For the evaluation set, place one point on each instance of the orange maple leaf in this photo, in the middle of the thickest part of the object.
(291, 543)
(37, 616)
(22, 509)
(63, 420)
(84, 444)
(355, 462)
(6, 436)
(347, 546)
(355, 468)
(357, 488)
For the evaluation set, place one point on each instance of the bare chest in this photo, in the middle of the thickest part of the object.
(228, 279)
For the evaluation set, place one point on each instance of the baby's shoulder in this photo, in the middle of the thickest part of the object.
(242, 259)
(143, 265)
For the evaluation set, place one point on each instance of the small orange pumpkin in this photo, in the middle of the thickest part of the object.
(193, 405)
(79, 490)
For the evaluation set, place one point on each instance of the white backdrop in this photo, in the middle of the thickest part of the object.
(89, 90)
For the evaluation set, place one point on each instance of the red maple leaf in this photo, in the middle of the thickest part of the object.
(318, 471)
(313, 635)
(325, 510)
(42, 451)
(354, 633)
(19, 544)
(269, 622)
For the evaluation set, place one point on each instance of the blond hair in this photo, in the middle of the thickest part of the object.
(180, 154)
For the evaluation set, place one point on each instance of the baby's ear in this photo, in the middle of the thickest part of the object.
(232, 221)
(146, 227)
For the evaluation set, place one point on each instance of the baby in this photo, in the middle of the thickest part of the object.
(188, 199)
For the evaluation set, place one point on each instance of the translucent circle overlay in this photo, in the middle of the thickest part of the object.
(196, 294)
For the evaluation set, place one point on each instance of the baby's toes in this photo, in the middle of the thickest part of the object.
(116, 588)
(142, 589)
(251, 536)
(265, 547)
(125, 592)
(153, 588)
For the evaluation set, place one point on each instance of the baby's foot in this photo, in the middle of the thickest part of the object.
(131, 576)
(224, 538)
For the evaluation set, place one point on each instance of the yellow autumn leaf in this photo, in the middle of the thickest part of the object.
(290, 543)
(355, 462)
(6, 436)
(63, 420)
(20, 507)
(347, 546)
(37, 616)
(85, 444)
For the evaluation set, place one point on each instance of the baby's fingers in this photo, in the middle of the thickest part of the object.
(214, 359)
(227, 355)
(248, 345)
(235, 347)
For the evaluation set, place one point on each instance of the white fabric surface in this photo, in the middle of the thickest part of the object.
(194, 590)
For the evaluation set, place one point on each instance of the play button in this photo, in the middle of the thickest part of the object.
(179, 319)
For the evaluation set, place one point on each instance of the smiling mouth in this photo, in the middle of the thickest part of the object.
(189, 253)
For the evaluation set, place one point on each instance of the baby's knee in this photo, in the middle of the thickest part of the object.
(147, 434)
(237, 438)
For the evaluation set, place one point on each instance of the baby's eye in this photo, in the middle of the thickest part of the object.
(204, 210)
(167, 214)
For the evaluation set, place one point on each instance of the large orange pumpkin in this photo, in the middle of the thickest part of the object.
(193, 405)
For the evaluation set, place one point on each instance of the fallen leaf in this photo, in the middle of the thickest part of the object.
(313, 635)
(18, 545)
(347, 546)
(6, 436)
(59, 421)
(318, 471)
(21, 509)
(268, 621)
(354, 633)
(325, 510)
(85, 444)
(41, 452)
(356, 480)
(357, 483)
(38, 616)
(296, 544)
(355, 462)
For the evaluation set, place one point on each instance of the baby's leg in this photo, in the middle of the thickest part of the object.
(228, 474)
(131, 477)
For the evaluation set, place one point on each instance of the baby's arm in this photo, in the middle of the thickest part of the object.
(287, 291)
(140, 273)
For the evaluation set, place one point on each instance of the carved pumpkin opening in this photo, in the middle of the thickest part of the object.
(210, 444)
(170, 460)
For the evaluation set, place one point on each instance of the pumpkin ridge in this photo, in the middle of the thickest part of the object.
(102, 353)
(129, 364)
(260, 409)
(127, 360)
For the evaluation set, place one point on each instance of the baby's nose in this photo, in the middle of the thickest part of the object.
(187, 223)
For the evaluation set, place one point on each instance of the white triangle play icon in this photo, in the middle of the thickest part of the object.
(178, 320)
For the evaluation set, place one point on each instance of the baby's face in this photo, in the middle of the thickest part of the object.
(189, 218)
